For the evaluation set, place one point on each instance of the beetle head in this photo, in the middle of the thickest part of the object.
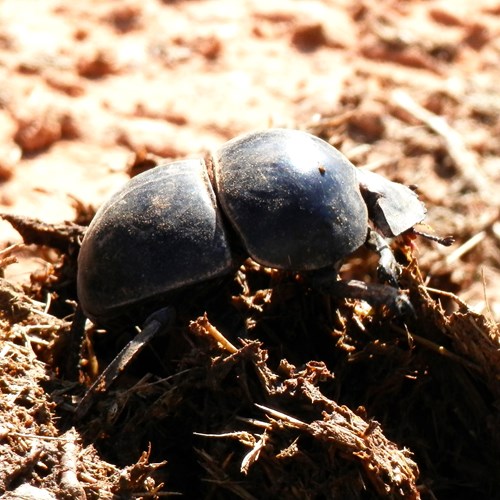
(392, 207)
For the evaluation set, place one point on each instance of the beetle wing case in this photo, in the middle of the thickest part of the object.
(393, 208)
(160, 232)
(293, 199)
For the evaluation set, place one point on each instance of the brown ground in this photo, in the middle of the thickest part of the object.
(410, 88)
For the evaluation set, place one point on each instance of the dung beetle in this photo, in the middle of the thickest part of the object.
(288, 198)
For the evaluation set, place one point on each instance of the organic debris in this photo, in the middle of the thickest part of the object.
(323, 397)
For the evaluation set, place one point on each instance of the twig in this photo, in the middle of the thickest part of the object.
(465, 247)
(463, 159)
(203, 326)
(253, 455)
(24, 466)
(69, 480)
(6, 257)
(292, 421)
(485, 227)
(155, 494)
(441, 350)
(450, 295)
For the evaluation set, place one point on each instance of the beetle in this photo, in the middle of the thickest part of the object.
(287, 198)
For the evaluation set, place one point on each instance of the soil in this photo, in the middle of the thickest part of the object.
(262, 387)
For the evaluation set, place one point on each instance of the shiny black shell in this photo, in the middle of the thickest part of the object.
(293, 199)
(160, 232)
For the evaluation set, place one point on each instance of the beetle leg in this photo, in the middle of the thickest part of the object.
(156, 322)
(375, 294)
(388, 269)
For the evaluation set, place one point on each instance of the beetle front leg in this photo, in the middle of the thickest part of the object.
(388, 269)
(375, 294)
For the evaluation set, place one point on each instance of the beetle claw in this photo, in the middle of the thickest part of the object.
(388, 269)
(402, 306)
(388, 273)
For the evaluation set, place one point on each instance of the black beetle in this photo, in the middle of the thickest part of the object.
(293, 201)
